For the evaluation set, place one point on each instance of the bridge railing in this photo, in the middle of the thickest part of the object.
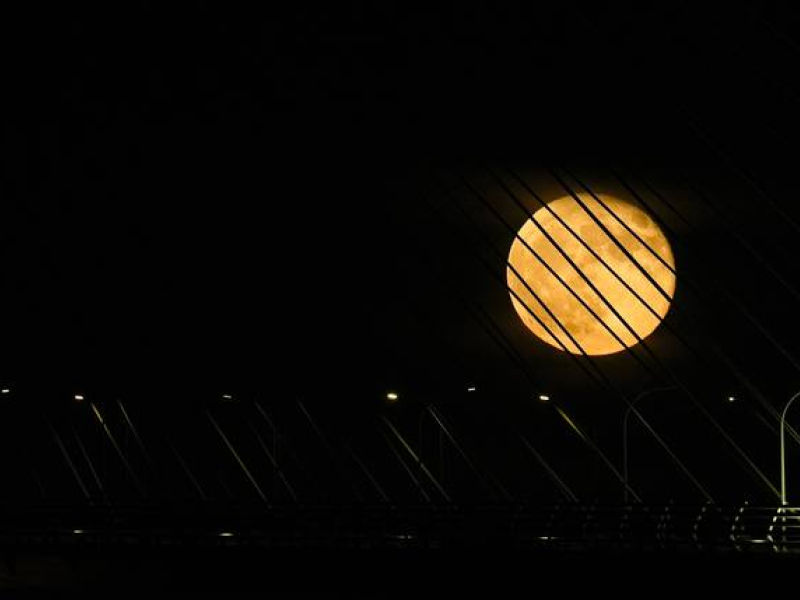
(561, 527)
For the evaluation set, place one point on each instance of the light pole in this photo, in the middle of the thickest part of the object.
(783, 448)
(635, 401)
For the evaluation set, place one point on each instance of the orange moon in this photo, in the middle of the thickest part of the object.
(566, 312)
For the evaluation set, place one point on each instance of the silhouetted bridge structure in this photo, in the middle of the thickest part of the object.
(231, 478)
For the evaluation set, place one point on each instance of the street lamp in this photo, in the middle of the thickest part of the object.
(783, 448)
(635, 401)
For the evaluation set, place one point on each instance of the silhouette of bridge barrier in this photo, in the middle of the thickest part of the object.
(557, 528)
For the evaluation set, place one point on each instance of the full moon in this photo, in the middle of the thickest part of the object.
(563, 224)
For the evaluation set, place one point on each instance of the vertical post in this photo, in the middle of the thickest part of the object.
(783, 448)
(783, 462)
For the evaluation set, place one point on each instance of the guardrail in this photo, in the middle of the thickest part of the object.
(556, 528)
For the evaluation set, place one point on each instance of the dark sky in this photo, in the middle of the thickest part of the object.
(206, 198)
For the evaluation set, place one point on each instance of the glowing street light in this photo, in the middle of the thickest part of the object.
(79, 398)
(5, 391)
(544, 398)
(392, 396)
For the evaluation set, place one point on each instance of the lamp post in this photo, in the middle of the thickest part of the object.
(783, 448)
(635, 401)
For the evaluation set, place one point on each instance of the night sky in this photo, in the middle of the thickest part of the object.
(207, 200)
